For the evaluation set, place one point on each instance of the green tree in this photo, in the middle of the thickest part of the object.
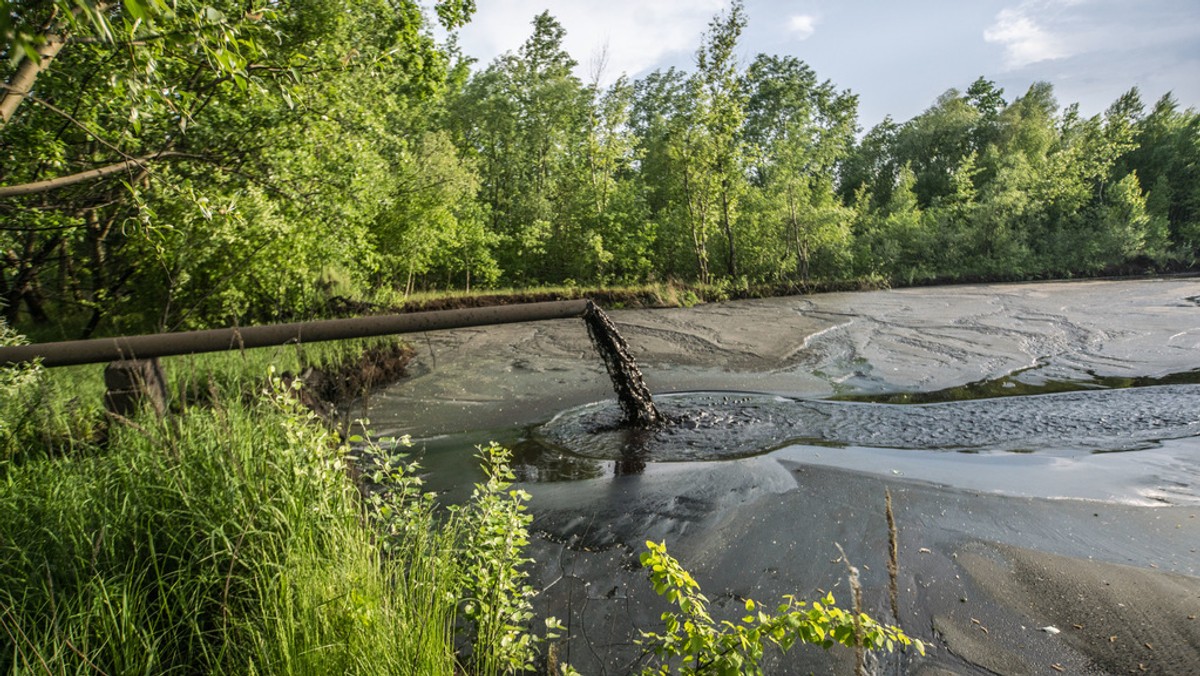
(620, 238)
(1166, 158)
(192, 155)
(936, 142)
(720, 114)
(662, 105)
(524, 117)
(797, 133)
(433, 224)
(872, 165)
(988, 101)
(688, 129)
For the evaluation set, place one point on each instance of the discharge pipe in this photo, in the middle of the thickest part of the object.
(101, 350)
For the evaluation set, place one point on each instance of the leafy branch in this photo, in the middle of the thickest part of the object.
(696, 644)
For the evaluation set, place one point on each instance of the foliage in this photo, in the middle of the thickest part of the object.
(695, 643)
(16, 384)
(232, 539)
(479, 552)
(496, 597)
(241, 153)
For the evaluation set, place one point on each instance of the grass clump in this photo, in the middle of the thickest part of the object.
(231, 538)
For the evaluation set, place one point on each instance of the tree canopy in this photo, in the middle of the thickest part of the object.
(168, 165)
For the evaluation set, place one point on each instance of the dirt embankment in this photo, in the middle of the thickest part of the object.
(329, 390)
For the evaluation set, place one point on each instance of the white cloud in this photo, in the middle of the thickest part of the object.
(1025, 40)
(802, 26)
(630, 36)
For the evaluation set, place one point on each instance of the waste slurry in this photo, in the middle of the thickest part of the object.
(1041, 443)
(716, 426)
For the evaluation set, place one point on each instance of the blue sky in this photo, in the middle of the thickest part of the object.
(897, 56)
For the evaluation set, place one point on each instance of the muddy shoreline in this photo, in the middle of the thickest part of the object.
(993, 547)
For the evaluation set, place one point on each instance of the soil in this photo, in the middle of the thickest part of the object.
(1126, 619)
(329, 390)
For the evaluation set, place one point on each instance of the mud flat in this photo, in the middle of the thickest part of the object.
(997, 543)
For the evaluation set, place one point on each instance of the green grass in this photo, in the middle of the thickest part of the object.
(663, 294)
(658, 294)
(230, 537)
(229, 540)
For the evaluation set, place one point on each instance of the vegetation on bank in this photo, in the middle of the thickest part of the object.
(660, 295)
(181, 165)
(231, 537)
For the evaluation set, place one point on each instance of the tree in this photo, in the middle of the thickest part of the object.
(524, 117)
(1166, 158)
(988, 101)
(662, 105)
(797, 133)
(432, 224)
(936, 142)
(692, 162)
(720, 114)
(152, 128)
(872, 165)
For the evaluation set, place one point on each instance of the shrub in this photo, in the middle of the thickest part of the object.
(694, 643)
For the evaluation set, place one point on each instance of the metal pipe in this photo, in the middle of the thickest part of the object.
(99, 350)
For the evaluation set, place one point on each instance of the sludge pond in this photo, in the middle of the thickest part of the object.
(1048, 475)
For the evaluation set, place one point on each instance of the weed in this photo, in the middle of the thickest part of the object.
(694, 643)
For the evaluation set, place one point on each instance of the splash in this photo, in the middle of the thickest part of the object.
(637, 407)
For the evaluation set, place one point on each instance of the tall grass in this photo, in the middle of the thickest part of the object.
(230, 538)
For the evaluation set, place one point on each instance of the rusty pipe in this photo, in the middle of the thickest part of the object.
(100, 350)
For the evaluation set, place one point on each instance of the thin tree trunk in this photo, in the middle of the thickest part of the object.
(21, 82)
(695, 221)
(34, 303)
(23, 287)
(96, 236)
(801, 249)
(731, 254)
(4, 292)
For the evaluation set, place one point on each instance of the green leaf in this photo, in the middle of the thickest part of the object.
(136, 9)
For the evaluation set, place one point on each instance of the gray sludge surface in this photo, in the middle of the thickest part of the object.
(711, 426)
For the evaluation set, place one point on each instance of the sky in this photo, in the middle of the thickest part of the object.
(897, 56)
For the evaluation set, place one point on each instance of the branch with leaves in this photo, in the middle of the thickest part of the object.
(694, 643)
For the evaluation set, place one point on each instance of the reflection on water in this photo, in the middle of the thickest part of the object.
(709, 426)
(534, 461)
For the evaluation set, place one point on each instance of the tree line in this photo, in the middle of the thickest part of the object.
(172, 166)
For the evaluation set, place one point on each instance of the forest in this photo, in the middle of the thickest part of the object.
(179, 165)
